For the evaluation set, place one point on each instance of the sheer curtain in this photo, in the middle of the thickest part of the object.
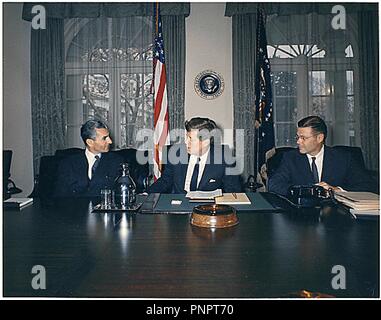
(315, 72)
(109, 75)
(316, 69)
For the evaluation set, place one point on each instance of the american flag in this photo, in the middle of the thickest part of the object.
(161, 136)
(265, 144)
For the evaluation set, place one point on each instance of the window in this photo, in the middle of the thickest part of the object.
(314, 72)
(108, 76)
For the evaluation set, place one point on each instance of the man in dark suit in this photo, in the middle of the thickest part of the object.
(86, 173)
(198, 165)
(315, 163)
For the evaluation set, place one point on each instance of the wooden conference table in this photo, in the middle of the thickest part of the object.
(268, 254)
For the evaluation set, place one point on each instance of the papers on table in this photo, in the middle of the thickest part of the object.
(204, 195)
(360, 203)
(233, 198)
(17, 203)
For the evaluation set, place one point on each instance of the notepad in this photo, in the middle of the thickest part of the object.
(233, 198)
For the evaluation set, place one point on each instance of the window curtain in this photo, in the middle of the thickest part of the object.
(369, 87)
(340, 87)
(174, 45)
(48, 48)
(244, 48)
(47, 90)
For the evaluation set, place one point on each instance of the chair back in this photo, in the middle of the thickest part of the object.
(274, 162)
(7, 160)
(355, 152)
(63, 153)
(45, 183)
(358, 157)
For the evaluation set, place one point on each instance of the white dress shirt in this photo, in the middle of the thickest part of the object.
(191, 165)
(90, 160)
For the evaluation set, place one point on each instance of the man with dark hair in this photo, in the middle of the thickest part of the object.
(86, 173)
(201, 165)
(315, 163)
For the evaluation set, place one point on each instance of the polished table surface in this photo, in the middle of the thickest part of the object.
(87, 254)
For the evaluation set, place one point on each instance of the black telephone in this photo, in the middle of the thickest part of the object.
(308, 196)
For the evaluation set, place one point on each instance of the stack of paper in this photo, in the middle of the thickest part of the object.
(204, 195)
(360, 202)
(233, 198)
(17, 203)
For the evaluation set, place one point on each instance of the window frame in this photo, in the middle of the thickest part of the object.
(302, 65)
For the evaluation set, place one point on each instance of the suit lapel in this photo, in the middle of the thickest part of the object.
(101, 169)
(305, 167)
(327, 164)
(83, 167)
(207, 169)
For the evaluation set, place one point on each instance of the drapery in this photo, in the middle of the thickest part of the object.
(49, 119)
(67, 10)
(47, 89)
(369, 87)
(244, 52)
(175, 38)
(286, 9)
(316, 70)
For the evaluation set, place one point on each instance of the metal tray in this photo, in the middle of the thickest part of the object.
(132, 208)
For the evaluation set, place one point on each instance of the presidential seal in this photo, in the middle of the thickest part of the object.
(209, 84)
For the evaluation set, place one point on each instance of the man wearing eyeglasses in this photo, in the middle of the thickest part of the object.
(315, 163)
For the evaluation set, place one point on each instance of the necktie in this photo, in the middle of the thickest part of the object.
(95, 165)
(314, 170)
(193, 185)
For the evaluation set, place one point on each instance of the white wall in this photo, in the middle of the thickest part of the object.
(17, 123)
(209, 46)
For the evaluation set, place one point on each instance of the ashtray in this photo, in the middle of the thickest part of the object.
(131, 208)
(214, 216)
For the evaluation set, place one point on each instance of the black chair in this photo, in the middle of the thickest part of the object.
(357, 155)
(139, 171)
(44, 185)
(9, 187)
(45, 181)
(62, 153)
(274, 162)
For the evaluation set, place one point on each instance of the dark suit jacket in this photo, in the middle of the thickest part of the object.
(73, 181)
(339, 169)
(213, 177)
